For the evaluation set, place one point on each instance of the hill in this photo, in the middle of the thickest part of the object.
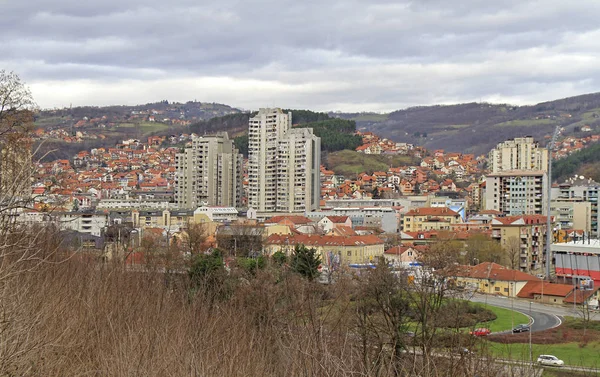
(335, 134)
(477, 127)
(585, 162)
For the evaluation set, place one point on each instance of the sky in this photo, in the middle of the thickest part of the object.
(322, 55)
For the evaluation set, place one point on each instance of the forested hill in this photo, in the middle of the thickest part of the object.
(477, 127)
(585, 162)
(336, 134)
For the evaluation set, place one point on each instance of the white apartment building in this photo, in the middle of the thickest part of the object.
(520, 153)
(209, 173)
(283, 164)
(517, 192)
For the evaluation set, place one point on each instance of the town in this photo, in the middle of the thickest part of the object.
(285, 196)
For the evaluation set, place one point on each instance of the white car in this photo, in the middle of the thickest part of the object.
(550, 360)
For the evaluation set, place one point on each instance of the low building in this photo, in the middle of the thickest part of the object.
(578, 260)
(218, 214)
(492, 278)
(348, 249)
(329, 223)
(403, 256)
(546, 292)
(426, 218)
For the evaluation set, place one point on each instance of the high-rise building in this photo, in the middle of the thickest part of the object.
(520, 153)
(517, 192)
(283, 164)
(209, 173)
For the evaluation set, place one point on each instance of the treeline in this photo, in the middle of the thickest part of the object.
(230, 123)
(306, 116)
(567, 167)
(335, 134)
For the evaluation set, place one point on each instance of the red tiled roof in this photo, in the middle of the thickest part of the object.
(295, 219)
(318, 240)
(494, 271)
(397, 250)
(337, 219)
(550, 289)
(431, 211)
(580, 296)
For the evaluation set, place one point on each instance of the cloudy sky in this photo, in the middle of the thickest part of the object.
(345, 55)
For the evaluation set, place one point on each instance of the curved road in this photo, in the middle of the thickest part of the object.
(544, 316)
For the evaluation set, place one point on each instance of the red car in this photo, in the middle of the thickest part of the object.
(481, 332)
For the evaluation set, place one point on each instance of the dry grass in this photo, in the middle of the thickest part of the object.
(82, 318)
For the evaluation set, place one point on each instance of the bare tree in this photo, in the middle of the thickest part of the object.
(512, 250)
(240, 239)
(195, 236)
(482, 248)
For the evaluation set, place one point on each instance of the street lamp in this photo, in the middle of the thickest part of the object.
(512, 308)
(530, 331)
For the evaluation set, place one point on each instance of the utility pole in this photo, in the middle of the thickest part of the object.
(549, 199)
(530, 331)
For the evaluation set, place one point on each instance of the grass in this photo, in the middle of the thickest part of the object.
(506, 319)
(573, 354)
(145, 127)
(527, 122)
(50, 121)
(371, 118)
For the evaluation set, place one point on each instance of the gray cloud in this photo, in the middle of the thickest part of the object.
(329, 55)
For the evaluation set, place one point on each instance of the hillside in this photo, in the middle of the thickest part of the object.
(585, 162)
(477, 127)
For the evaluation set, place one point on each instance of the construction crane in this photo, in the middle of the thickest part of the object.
(549, 197)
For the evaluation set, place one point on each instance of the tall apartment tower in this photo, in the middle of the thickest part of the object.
(209, 173)
(283, 164)
(517, 192)
(520, 153)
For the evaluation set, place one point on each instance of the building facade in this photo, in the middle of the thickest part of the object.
(430, 218)
(209, 173)
(517, 192)
(571, 214)
(579, 189)
(523, 239)
(578, 261)
(520, 153)
(283, 164)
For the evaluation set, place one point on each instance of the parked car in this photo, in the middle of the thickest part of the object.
(521, 328)
(550, 360)
(481, 332)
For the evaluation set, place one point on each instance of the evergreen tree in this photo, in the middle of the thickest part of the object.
(306, 262)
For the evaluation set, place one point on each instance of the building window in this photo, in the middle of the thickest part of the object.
(506, 290)
(497, 289)
(349, 253)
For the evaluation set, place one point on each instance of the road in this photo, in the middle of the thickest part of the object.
(544, 316)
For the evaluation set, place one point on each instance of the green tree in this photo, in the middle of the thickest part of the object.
(375, 193)
(306, 262)
(207, 270)
(250, 265)
(241, 143)
(279, 257)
